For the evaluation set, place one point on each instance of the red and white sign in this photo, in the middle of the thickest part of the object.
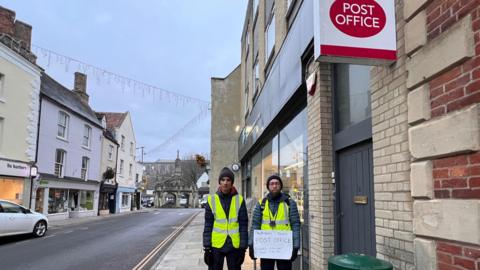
(355, 31)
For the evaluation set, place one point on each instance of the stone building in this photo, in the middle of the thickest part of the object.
(382, 159)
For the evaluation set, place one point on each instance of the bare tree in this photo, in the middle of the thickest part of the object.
(192, 168)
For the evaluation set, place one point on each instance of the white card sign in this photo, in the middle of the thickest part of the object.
(273, 244)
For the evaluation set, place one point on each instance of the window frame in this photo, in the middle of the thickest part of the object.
(132, 147)
(65, 125)
(122, 143)
(85, 169)
(270, 25)
(121, 167)
(59, 167)
(87, 135)
(2, 87)
(110, 151)
(130, 170)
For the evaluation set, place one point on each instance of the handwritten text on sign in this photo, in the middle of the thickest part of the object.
(273, 244)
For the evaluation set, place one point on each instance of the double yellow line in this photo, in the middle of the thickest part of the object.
(162, 244)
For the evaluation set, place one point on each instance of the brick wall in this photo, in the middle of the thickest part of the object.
(457, 177)
(454, 256)
(448, 160)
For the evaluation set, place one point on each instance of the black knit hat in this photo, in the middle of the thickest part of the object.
(226, 172)
(274, 176)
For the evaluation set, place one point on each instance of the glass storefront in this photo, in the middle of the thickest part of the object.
(286, 155)
(125, 200)
(12, 190)
(86, 200)
(293, 157)
(39, 200)
(57, 201)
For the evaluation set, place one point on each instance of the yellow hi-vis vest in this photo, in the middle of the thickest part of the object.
(281, 219)
(223, 227)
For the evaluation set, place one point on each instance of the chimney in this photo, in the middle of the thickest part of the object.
(23, 33)
(7, 21)
(80, 87)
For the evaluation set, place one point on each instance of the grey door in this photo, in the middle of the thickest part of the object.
(356, 214)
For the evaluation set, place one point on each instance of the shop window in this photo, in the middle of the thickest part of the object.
(86, 200)
(63, 120)
(39, 200)
(125, 200)
(257, 187)
(293, 143)
(270, 159)
(352, 99)
(12, 190)
(85, 165)
(60, 163)
(57, 201)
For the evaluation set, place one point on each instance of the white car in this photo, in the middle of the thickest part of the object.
(16, 219)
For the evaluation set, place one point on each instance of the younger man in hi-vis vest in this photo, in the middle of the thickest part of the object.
(277, 211)
(225, 234)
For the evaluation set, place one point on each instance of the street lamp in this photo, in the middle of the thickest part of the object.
(33, 174)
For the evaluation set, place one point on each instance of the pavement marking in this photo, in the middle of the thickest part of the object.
(84, 228)
(157, 249)
(156, 213)
(66, 232)
(49, 236)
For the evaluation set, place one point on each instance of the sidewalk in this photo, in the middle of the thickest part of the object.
(186, 252)
(52, 224)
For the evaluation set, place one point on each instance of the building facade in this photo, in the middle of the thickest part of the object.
(108, 167)
(19, 107)
(69, 152)
(382, 160)
(120, 125)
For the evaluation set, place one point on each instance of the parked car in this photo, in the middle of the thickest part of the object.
(148, 202)
(183, 202)
(16, 219)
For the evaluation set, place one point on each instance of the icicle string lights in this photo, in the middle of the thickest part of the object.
(125, 83)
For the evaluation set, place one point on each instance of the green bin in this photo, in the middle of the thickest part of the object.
(354, 261)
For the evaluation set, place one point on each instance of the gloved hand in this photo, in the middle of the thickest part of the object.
(208, 256)
(251, 253)
(240, 256)
(294, 254)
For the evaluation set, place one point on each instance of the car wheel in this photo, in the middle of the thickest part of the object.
(40, 228)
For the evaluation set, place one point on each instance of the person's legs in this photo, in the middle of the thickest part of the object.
(232, 261)
(218, 259)
(267, 264)
(284, 265)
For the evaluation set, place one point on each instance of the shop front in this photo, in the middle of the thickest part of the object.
(107, 199)
(63, 199)
(124, 201)
(15, 181)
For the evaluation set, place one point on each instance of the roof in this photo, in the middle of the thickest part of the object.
(114, 120)
(67, 98)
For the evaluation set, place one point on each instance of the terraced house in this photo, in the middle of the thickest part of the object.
(381, 156)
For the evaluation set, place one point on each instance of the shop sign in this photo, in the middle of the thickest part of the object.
(14, 168)
(355, 31)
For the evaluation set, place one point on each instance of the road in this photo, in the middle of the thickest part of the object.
(117, 242)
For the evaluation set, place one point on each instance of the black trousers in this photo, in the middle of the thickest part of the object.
(268, 264)
(219, 258)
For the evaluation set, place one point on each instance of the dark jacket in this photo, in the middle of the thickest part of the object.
(225, 200)
(273, 205)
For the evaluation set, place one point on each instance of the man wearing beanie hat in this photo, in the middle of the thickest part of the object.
(225, 234)
(277, 211)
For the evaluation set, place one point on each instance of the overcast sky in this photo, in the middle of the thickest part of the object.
(175, 45)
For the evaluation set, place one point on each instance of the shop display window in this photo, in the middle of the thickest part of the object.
(86, 200)
(293, 157)
(39, 200)
(57, 201)
(12, 190)
(125, 200)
